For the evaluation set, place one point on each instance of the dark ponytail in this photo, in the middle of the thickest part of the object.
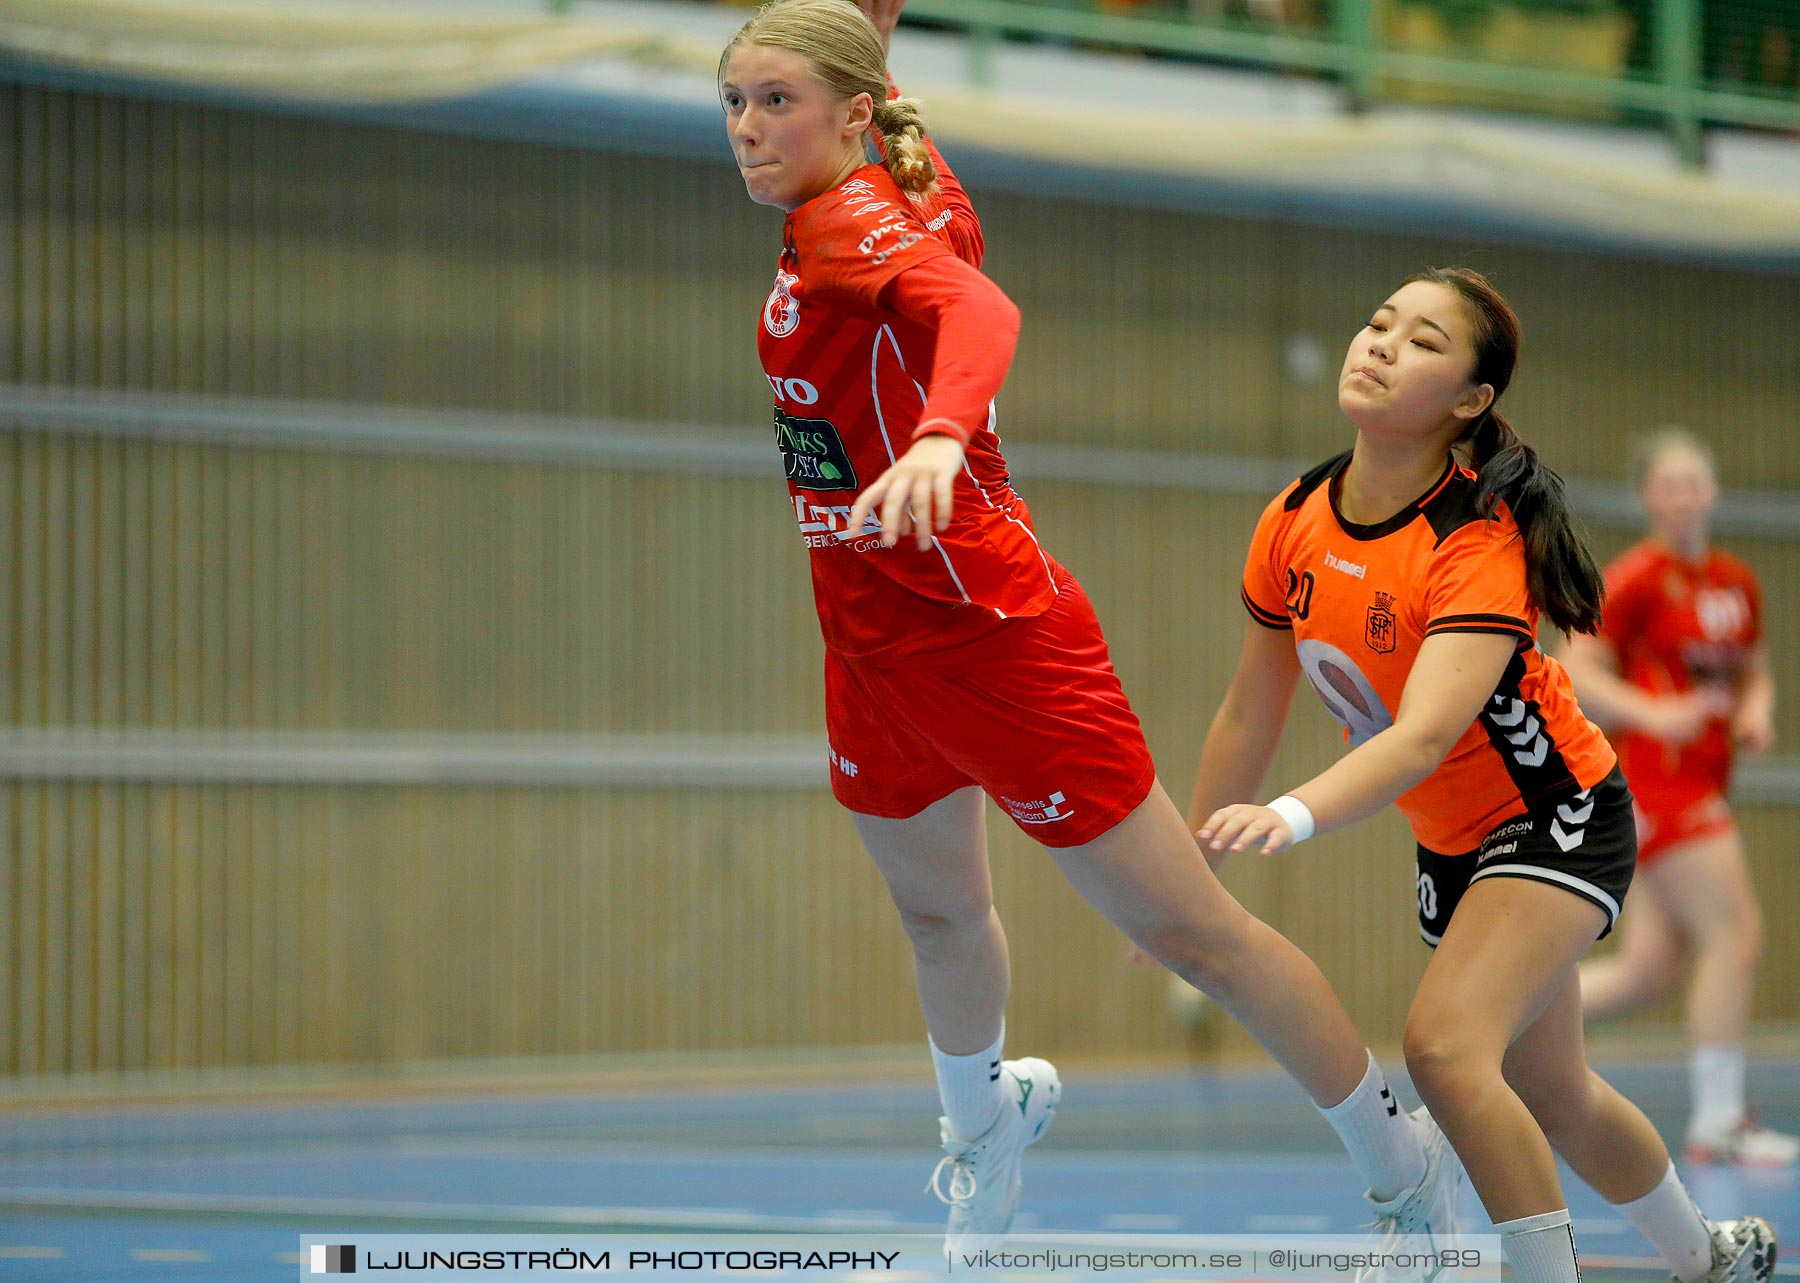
(1564, 582)
(1559, 569)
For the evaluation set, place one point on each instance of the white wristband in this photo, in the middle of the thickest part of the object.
(1295, 812)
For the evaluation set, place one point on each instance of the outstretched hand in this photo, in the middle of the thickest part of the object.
(1239, 827)
(915, 493)
(885, 14)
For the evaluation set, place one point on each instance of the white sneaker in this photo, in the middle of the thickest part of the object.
(1421, 1220)
(1748, 1144)
(983, 1183)
(1743, 1252)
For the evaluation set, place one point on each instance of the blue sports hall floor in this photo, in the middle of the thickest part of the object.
(225, 1191)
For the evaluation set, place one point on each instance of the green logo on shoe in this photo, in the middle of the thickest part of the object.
(1025, 1086)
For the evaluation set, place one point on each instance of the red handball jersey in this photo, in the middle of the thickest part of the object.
(850, 352)
(1680, 626)
(1361, 600)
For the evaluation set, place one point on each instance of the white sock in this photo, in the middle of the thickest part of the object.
(1380, 1138)
(1541, 1249)
(1716, 1073)
(1668, 1218)
(969, 1086)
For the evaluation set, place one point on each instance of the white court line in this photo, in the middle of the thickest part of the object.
(30, 1253)
(1148, 1221)
(1287, 1224)
(169, 1254)
(596, 1218)
(1602, 1228)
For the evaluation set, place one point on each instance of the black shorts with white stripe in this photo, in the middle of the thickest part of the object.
(1584, 842)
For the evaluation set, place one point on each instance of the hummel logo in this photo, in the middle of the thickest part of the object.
(1575, 817)
(1534, 746)
(1393, 1107)
(1025, 1086)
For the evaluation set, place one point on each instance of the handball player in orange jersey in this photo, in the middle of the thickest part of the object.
(1680, 675)
(960, 657)
(1406, 583)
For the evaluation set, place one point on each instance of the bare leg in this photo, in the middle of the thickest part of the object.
(1705, 887)
(936, 868)
(1148, 876)
(1650, 962)
(1510, 950)
(1604, 1137)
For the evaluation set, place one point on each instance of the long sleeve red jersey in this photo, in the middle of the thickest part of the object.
(880, 325)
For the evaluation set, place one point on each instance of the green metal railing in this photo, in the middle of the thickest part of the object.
(1353, 45)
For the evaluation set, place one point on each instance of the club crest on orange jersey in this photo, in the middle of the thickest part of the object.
(781, 314)
(1378, 629)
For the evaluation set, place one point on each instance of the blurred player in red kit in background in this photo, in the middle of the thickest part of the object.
(1680, 675)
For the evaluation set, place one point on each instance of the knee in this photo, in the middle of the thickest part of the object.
(941, 928)
(1738, 934)
(1445, 1060)
(1657, 975)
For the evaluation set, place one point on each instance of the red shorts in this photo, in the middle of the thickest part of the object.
(1033, 713)
(1668, 817)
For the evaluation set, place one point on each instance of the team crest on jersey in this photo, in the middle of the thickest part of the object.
(781, 314)
(1378, 628)
(1723, 613)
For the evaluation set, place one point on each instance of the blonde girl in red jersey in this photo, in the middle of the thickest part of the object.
(1407, 587)
(1680, 675)
(960, 658)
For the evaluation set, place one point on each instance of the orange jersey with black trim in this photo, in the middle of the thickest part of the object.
(1360, 601)
(1679, 626)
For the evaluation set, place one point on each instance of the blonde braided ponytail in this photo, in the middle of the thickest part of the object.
(902, 125)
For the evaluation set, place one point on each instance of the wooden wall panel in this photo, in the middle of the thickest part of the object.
(160, 247)
(174, 927)
(405, 925)
(426, 924)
